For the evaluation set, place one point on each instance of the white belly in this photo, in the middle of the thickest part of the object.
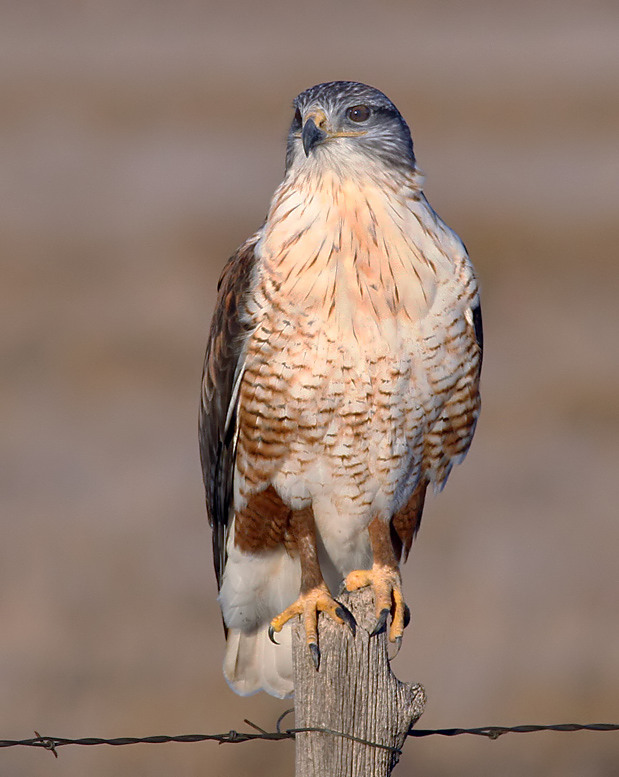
(358, 450)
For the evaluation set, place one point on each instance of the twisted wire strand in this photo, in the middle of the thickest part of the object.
(234, 737)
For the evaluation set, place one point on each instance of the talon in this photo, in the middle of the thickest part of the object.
(380, 623)
(386, 585)
(407, 616)
(309, 604)
(347, 617)
(315, 654)
(398, 644)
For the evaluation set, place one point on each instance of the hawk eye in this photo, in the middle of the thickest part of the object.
(297, 118)
(358, 113)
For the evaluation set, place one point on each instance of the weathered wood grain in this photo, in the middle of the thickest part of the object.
(353, 692)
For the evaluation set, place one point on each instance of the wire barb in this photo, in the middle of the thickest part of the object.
(47, 743)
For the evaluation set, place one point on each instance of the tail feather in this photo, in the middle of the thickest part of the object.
(253, 663)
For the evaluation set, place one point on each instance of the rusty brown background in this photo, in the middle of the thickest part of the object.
(140, 144)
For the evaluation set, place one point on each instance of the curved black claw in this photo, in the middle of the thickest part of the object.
(349, 619)
(380, 623)
(398, 645)
(407, 615)
(315, 654)
(271, 633)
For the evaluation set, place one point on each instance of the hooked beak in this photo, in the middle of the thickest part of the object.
(311, 135)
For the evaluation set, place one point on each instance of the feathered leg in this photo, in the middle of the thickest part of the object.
(314, 596)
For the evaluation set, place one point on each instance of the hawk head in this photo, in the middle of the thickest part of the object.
(345, 124)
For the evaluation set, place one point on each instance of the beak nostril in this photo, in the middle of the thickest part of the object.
(319, 118)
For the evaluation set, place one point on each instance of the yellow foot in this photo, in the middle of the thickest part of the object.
(308, 605)
(387, 586)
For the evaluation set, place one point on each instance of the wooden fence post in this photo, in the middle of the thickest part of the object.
(353, 692)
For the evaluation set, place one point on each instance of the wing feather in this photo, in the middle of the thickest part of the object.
(221, 377)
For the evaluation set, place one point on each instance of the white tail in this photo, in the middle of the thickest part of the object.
(254, 663)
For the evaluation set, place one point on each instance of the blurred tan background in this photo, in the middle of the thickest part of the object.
(140, 145)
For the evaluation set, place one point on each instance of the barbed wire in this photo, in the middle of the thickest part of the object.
(235, 737)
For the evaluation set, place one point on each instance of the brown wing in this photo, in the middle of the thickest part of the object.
(222, 369)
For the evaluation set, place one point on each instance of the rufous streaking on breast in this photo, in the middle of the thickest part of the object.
(341, 379)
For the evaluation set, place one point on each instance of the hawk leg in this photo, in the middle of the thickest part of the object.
(384, 578)
(314, 596)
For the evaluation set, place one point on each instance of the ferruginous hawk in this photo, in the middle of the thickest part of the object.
(341, 379)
